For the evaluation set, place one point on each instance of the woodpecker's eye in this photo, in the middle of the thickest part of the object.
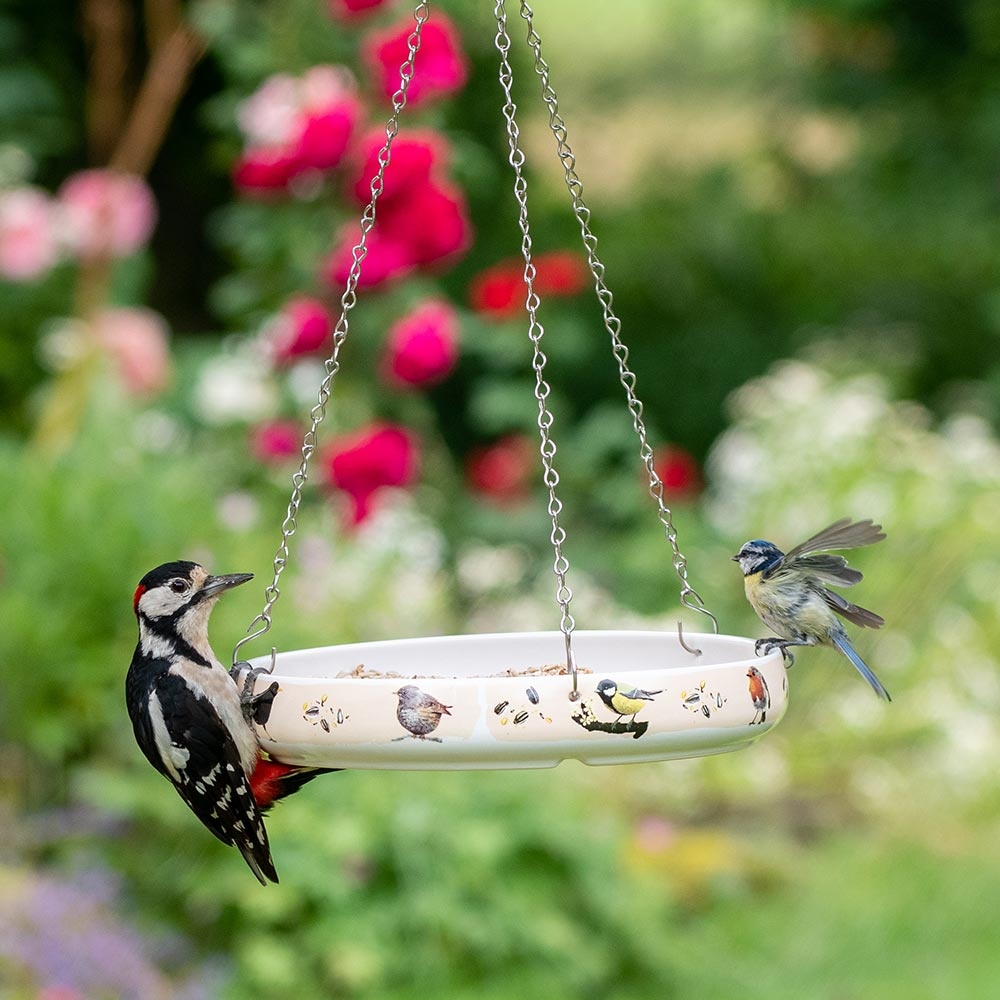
(178, 586)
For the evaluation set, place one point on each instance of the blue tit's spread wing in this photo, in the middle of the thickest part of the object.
(852, 612)
(842, 534)
(829, 569)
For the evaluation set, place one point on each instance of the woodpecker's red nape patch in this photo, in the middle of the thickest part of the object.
(139, 591)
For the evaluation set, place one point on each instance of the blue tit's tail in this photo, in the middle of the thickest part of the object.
(843, 644)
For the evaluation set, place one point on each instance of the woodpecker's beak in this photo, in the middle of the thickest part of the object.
(217, 584)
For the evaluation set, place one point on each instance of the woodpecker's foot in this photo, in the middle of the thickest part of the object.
(257, 707)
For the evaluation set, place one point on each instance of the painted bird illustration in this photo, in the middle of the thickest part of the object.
(624, 702)
(788, 592)
(191, 720)
(759, 695)
(419, 713)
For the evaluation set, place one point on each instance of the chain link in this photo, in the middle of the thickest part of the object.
(688, 596)
(262, 623)
(547, 447)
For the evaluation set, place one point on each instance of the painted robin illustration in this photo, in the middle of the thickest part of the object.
(759, 695)
(419, 713)
(624, 702)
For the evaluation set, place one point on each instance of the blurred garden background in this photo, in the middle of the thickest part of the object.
(797, 205)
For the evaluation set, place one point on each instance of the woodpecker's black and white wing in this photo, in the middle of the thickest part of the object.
(183, 737)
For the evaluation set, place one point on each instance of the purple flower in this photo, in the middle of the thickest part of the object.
(59, 933)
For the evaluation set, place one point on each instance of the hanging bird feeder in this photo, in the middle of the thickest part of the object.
(516, 699)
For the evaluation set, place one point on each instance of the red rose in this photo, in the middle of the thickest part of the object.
(502, 471)
(561, 272)
(678, 470)
(499, 291)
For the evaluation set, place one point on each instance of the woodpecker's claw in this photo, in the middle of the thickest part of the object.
(256, 707)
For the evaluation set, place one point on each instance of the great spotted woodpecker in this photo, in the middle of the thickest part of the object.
(192, 721)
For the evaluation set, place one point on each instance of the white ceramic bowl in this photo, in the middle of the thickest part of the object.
(333, 709)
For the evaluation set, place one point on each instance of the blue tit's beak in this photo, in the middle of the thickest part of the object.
(735, 558)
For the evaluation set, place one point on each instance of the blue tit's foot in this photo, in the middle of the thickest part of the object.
(764, 646)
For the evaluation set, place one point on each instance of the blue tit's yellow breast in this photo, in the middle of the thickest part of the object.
(752, 584)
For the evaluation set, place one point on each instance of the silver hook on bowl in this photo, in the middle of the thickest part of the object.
(574, 694)
(694, 651)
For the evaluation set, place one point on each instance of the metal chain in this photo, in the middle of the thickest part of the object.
(262, 623)
(688, 595)
(547, 447)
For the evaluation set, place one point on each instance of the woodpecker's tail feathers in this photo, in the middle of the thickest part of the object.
(843, 644)
(258, 858)
(272, 781)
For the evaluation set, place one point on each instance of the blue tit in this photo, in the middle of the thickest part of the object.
(787, 591)
(624, 702)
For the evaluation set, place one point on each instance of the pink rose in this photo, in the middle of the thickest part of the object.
(422, 347)
(347, 10)
(383, 261)
(427, 224)
(431, 221)
(414, 155)
(440, 68)
(28, 229)
(421, 217)
(106, 213)
(274, 442)
(270, 115)
(266, 169)
(324, 139)
(303, 326)
(136, 339)
(294, 125)
(502, 471)
(373, 458)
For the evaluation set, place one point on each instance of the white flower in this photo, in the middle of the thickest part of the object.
(233, 389)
